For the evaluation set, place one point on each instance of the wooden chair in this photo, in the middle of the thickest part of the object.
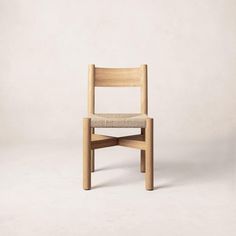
(118, 77)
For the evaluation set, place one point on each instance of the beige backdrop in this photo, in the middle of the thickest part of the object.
(46, 47)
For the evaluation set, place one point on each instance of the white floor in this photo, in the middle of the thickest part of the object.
(41, 192)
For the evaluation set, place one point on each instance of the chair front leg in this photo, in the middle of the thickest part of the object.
(149, 154)
(86, 154)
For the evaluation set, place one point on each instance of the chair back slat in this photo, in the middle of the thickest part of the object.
(117, 77)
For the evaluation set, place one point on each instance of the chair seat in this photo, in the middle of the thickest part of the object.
(114, 120)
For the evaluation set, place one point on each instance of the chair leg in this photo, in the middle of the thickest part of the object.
(92, 155)
(92, 161)
(142, 155)
(86, 154)
(149, 154)
(142, 161)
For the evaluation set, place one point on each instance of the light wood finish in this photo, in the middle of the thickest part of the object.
(142, 155)
(91, 104)
(142, 161)
(144, 93)
(133, 141)
(149, 154)
(92, 154)
(86, 154)
(91, 90)
(118, 77)
(101, 141)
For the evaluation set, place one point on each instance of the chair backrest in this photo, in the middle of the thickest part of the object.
(118, 77)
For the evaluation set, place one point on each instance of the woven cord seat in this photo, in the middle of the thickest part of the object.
(118, 120)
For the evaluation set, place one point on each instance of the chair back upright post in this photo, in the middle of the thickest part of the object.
(144, 89)
(118, 77)
(91, 90)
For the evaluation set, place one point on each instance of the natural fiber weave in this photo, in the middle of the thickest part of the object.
(109, 120)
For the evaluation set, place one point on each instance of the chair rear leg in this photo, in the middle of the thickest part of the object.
(92, 155)
(92, 161)
(86, 154)
(142, 161)
(149, 154)
(142, 155)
